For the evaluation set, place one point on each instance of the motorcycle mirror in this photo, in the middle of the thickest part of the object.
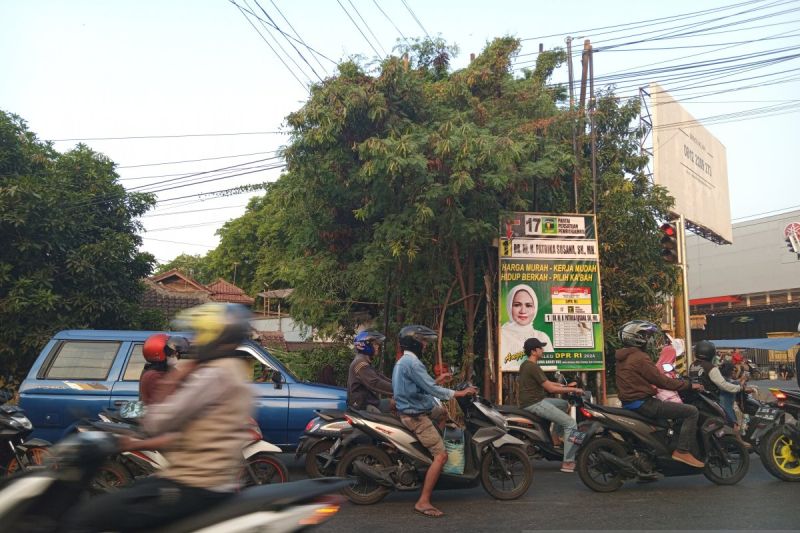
(668, 367)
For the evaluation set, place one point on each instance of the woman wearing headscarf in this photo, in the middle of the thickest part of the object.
(667, 357)
(522, 306)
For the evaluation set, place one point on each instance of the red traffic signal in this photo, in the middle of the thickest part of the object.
(669, 242)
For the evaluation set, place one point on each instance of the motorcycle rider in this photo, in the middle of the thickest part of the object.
(364, 383)
(414, 390)
(162, 352)
(712, 379)
(211, 397)
(533, 390)
(638, 378)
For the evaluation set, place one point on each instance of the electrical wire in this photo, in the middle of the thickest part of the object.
(314, 53)
(390, 20)
(194, 160)
(284, 34)
(182, 136)
(367, 26)
(414, 16)
(377, 54)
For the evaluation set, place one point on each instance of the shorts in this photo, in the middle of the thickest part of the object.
(426, 432)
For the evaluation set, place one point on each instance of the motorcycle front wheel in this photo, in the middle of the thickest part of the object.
(314, 465)
(779, 458)
(363, 491)
(729, 466)
(263, 469)
(596, 473)
(507, 474)
(34, 457)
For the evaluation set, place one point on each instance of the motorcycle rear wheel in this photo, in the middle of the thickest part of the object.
(720, 473)
(513, 472)
(110, 477)
(263, 469)
(779, 459)
(34, 457)
(313, 467)
(363, 491)
(593, 471)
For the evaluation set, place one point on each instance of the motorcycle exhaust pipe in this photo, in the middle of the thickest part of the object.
(624, 466)
(363, 469)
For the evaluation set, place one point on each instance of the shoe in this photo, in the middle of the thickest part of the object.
(687, 458)
(568, 466)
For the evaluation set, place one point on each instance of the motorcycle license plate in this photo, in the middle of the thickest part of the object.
(767, 413)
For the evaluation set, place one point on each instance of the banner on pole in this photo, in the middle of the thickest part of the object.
(550, 290)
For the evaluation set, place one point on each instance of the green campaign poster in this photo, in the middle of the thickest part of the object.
(550, 290)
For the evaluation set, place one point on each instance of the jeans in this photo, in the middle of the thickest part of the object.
(150, 503)
(726, 401)
(554, 409)
(655, 408)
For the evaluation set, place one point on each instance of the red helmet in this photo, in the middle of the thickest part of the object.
(153, 349)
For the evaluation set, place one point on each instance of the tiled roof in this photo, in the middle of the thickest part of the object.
(223, 291)
(172, 276)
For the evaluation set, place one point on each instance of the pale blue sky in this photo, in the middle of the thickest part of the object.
(82, 69)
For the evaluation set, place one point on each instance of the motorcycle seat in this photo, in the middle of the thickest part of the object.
(261, 498)
(382, 418)
(621, 411)
(518, 411)
(331, 414)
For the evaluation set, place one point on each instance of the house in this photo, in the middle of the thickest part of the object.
(174, 291)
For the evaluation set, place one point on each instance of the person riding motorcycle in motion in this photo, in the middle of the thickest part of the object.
(637, 379)
(364, 383)
(210, 399)
(162, 352)
(533, 396)
(414, 390)
(712, 379)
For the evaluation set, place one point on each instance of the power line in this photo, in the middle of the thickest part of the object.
(284, 34)
(368, 28)
(203, 173)
(194, 160)
(414, 16)
(377, 54)
(185, 135)
(216, 178)
(177, 242)
(390, 20)
(302, 41)
(294, 75)
(173, 213)
(187, 226)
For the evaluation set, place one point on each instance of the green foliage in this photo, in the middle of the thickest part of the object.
(307, 364)
(68, 244)
(397, 179)
(195, 266)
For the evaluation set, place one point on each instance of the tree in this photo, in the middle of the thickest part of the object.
(68, 244)
(195, 266)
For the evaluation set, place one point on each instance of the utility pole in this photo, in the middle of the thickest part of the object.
(575, 169)
(592, 103)
(683, 327)
(581, 129)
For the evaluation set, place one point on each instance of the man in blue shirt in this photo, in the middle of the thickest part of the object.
(414, 391)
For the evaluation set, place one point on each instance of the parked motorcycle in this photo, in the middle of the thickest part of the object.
(37, 501)
(397, 460)
(781, 448)
(16, 453)
(621, 444)
(260, 464)
(322, 442)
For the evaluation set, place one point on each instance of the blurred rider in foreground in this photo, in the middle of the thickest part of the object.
(201, 420)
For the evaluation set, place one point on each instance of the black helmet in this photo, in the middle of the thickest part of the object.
(412, 337)
(638, 333)
(705, 350)
(218, 328)
(176, 346)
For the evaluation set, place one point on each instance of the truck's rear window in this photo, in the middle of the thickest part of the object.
(83, 360)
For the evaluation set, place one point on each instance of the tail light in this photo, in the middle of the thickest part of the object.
(310, 424)
(329, 507)
(779, 394)
(585, 412)
(348, 419)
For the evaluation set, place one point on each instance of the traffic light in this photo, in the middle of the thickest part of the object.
(669, 242)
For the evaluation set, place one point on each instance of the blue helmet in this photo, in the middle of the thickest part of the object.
(363, 342)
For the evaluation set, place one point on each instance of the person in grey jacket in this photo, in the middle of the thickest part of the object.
(365, 385)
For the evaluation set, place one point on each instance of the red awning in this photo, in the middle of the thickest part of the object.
(715, 300)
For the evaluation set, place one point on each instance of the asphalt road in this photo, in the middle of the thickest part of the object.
(559, 501)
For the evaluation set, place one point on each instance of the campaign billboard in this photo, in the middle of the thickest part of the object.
(550, 290)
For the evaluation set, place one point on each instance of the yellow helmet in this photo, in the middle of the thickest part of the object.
(218, 327)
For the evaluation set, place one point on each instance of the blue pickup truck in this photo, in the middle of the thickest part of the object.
(81, 372)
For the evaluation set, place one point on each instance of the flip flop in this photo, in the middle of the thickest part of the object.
(430, 512)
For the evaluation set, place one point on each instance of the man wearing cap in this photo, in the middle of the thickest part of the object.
(534, 388)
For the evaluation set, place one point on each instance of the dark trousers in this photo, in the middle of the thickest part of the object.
(150, 503)
(655, 408)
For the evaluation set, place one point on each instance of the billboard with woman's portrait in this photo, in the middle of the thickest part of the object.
(550, 290)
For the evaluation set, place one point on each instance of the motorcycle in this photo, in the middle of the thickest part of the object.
(398, 461)
(322, 442)
(781, 449)
(16, 453)
(621, 444)
(260, 464)
(37, 501)
(535, 431)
